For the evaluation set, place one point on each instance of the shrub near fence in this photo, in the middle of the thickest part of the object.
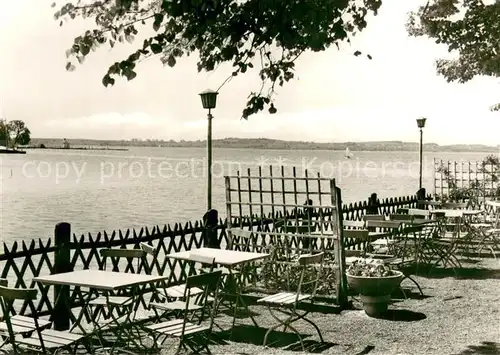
(22, 261)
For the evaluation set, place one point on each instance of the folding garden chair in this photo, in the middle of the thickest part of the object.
(115, 255)
(386, 231)
(245, 240)
(287, 302)
(30, 334)
(445, 246)
(411, 249)
(21, 324)
(178, 292)
(189, 332)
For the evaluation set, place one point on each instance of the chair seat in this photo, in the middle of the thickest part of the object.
(23, 324)
(178, 291)
(113, 300)
(51, 339)
(174, 328)
(225, 270)
(400, 261)
(283, 298)
(176, 305)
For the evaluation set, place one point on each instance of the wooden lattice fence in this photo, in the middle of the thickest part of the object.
(21, 261)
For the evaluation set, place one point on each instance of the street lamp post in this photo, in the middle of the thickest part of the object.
(421, 125)
(209, 101)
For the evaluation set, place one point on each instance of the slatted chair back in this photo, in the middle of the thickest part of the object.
(454, 205)
(429, 204)
(373, 217)
(360, 234)
(349, 224)
(7, 297)
(243, 240)
(311, 264)
(384, 225)
(115, 255)
(418, 213)
(210, 283)
(149, 249)
(401, 217)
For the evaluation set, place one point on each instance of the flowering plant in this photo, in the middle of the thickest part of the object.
(370, 268)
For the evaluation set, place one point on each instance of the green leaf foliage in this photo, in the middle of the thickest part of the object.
(264, 38)
(469, 28)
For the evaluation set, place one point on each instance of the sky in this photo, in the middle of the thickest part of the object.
(337, 97)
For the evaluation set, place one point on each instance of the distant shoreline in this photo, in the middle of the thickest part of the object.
(261, 143)
(78, 148)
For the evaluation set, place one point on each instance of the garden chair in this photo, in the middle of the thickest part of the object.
(287, 302)
(21, 324)
(479, 237)
(386, 230)
(178, 291)
(115, 255)
(411, 249)
(445, 246)
(29, 332)
(184, 328)
(175, 296)
(245, 240)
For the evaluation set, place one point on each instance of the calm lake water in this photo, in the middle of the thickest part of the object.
(107, 190)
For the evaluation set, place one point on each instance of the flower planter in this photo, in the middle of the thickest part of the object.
(375, 290)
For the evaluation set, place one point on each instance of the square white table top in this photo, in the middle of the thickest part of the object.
(98, 279)
(223, 257)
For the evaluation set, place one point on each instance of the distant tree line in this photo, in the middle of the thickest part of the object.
(266, 143)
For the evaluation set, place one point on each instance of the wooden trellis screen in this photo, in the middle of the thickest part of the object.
(310, 219)
(450, 175)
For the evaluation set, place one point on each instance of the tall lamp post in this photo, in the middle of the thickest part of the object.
(421, 125)
(209, 101)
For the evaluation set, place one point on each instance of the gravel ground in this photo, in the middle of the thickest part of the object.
(458, 315)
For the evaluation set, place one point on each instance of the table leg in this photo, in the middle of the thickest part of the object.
(237, 293)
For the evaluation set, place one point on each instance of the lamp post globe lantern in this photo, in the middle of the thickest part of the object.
(421, 122)
(421, 125)
(209, 101)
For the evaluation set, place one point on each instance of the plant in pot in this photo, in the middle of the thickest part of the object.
(374, 282)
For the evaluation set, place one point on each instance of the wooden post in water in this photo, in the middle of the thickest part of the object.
(210, 237)
(62, 263)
